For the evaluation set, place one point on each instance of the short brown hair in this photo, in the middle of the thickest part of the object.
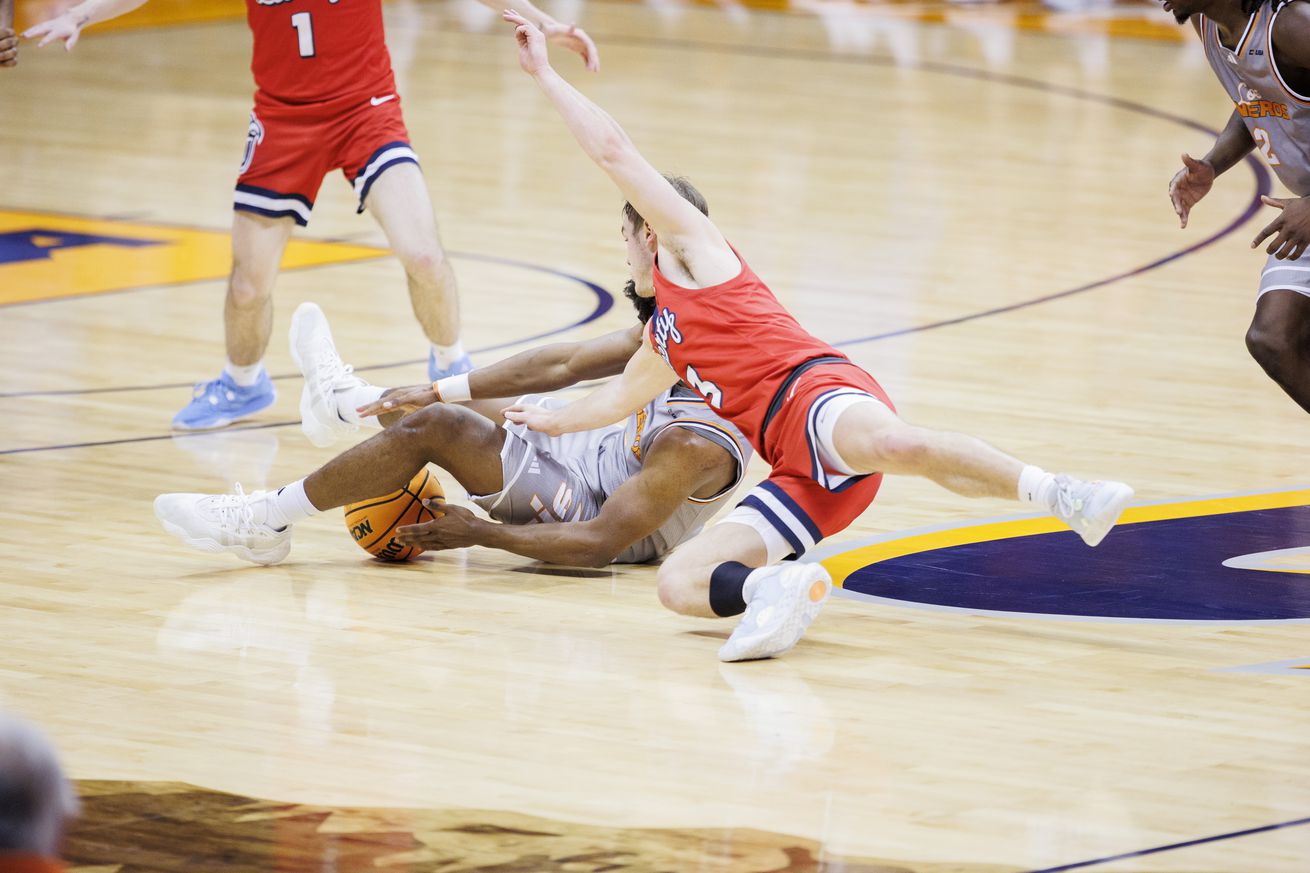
(683, 187)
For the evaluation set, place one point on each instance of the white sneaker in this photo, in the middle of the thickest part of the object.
(787, 597)
(325, 375)
(223, 523)
(1089, 508)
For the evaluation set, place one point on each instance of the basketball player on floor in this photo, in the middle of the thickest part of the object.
(1260, 50)
(326, 99)
(823, 424)
(627, 493)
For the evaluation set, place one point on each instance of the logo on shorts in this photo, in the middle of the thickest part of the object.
(378, 101)
(254, 136)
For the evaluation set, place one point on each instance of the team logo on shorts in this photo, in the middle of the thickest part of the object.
(254, 136)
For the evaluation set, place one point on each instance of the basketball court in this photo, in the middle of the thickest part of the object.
(969, 200)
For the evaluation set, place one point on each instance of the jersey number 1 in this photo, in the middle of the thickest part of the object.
(305, 32)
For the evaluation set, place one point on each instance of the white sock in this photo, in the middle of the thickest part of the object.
(287, 505)
(1037, 487)
(447, 355)
(353, 398)
(245, 376)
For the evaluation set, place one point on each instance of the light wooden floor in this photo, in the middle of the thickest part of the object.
(884, 173)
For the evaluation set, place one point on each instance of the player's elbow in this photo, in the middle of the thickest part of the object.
(597, 550)
(613, 151)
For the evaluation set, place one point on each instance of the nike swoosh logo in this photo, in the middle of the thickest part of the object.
(378, 101)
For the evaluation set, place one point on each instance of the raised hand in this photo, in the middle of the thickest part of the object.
(575, 39)
(1292, 226)
(67, 27)
(1189, 185)
(532, 43)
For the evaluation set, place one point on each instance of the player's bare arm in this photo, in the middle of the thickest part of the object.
(679, 465)
(1291, 45)
(1195, 179)
(683, 231)
(68, 25)
(536, 371)
(643, 379)
(8, 39)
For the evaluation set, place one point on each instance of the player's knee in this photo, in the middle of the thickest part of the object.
(1271, 348)
(438, 424)
(244, 289)
(677, 590)
(424, 263)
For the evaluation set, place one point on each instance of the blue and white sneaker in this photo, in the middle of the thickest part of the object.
(221, 401)
(463, 365)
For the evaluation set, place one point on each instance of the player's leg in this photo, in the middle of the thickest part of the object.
(1279, 339)
(733, 568)
(399, 200)
(243, 388)
(861, 435)
(257, 526)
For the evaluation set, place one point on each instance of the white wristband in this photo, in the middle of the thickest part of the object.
(454, 389)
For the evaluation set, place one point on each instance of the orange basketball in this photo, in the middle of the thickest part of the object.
(372, 522)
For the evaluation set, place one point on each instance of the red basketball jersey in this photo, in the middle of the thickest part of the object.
(310, 51)
(734, 344)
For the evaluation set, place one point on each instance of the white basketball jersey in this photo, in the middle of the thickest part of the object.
(1277, 117)
(607, 457)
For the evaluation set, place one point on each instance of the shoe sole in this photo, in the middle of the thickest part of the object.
(784, 638)
(319, 434)
(1108, 515)
(206, 544)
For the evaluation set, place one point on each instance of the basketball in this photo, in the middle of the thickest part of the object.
(373, 522)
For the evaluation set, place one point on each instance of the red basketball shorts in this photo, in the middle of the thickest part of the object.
(805, 499)
(290, 148)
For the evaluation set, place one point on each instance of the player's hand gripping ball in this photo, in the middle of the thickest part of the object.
(373, 523)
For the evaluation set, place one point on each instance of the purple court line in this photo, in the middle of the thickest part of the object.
(604, 303)
(1197, 842)
(1262, 178)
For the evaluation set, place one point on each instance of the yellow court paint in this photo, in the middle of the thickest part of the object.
(51, 256)
(844, 564)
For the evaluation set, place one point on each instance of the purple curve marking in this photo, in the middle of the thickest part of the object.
(1157, 849)
(604, 303)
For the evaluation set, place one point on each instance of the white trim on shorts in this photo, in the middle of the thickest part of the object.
(829, 468)
(775, 545)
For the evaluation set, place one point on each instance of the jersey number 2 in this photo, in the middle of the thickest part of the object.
(305, 31)
(1261, 137)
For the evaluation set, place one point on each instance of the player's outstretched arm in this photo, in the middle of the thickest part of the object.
(642, 380)
(568, 36)
(1195, 179)
(68, 25)
(682, 228)
(678, 466)
(536, 371)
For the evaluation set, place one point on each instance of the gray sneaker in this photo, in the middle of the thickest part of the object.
(786, 599)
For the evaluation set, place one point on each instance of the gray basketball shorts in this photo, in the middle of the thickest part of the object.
(1286, 276)
(538, 488)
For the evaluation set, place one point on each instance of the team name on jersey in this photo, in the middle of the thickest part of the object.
(666, 329)
(1261, 109)
(272, 2)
